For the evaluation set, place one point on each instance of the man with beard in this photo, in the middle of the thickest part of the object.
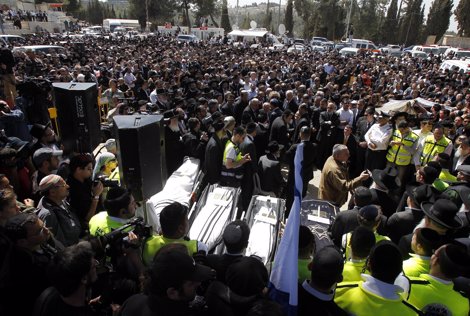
(174, 149)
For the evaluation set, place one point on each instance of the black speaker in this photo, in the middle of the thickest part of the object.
(78, 114)
(141, 153)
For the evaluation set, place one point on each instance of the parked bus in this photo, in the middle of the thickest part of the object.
(110, 24)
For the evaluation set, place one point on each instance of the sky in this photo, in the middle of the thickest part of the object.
(452, 26)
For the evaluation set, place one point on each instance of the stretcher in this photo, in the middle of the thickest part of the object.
(180, 187)
(318, 215)
(264, 217)
(209, 216)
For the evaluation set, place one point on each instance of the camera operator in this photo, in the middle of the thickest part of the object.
(84, 196)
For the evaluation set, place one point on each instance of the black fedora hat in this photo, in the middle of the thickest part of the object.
(386, 178)
(443, 212)
(422, 193)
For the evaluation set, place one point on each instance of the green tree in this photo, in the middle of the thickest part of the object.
(268, 20)
(209, 8)
(225, 21)
(439, 18)
(289, 18)
(462, 13)
(246, 22)
(160, 11)
(411, 22)
(389, 27)
(73, 6)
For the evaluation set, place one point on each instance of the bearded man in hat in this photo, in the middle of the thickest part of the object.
(386, 182)
(174, 148)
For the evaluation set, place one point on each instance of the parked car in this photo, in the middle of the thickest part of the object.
(187, 38)
(349, 51)
(296, 48)
(391, 48)
(44, 49)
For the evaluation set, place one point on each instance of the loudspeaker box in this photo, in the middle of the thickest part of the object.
(78, 114)
(141, 153)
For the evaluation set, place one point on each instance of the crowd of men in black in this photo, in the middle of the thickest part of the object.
(242, 112)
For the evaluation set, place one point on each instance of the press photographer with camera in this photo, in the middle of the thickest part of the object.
(84, 196)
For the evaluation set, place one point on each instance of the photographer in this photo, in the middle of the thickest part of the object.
(84, 195)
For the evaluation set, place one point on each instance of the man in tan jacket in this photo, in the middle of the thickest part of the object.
(334, 182)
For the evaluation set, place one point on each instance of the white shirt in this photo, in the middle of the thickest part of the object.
(379, 135)
(345, 115)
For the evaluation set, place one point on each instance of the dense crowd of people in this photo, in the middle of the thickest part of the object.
(71, 246)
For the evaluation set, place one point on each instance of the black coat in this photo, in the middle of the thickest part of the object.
(311, 305)
(269, 171)
(261, 140)
(213, 158)
(279, 132)
(304, 121)
(194, 146)
(174, 150)
(387, 201)
(402, 223)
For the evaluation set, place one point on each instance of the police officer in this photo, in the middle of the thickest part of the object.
(233, 161)
(174, 223)
(362, 241)
(402, 148)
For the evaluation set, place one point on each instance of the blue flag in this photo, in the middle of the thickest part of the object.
(284, 275)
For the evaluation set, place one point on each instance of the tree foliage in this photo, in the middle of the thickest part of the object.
(159, 11)
(289, 18)
(389, 27)
(207, 8)
(462, 13)
(439, 18)
(411, 23)
(225, 21)
(73, 6)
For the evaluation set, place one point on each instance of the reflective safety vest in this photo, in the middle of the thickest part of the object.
(416, 265)
(352, 270)
(101, 224)
(355, 300)
(433, 297)
(234, 173)
(156, 242)
(347, 243)
(399, 154)
(432, 148)
(304, 272)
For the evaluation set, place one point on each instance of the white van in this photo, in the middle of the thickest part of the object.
(362, 44)
(456, 65)
(349, 51)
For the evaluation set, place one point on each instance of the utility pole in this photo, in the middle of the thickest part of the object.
(147, 15)
(236, 20)
(348, 21)
(279, 12)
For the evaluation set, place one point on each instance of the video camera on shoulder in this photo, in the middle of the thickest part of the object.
(107, 183)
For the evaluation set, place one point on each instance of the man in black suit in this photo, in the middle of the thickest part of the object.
(280, 128)
(363, 125)
(276, 111)
(308, 164)
(304, 120)
(346, 138)
(215, 151)
(290, 102)
(262, 133)
(251, 110)
(248, 147)
(227, 108)
(269, 170)
(386, 182)
(326, 137)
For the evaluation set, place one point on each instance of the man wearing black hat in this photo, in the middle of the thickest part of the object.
(275, 112)
(433, 293)
(363, 125)
(326, 136)
(440, 216)
(45, 137)
(377, 139)
(383, 189)
(215, 150)
(174, 278)
(174, 150)
(316, 296)
(402, 223)
(269, 170)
